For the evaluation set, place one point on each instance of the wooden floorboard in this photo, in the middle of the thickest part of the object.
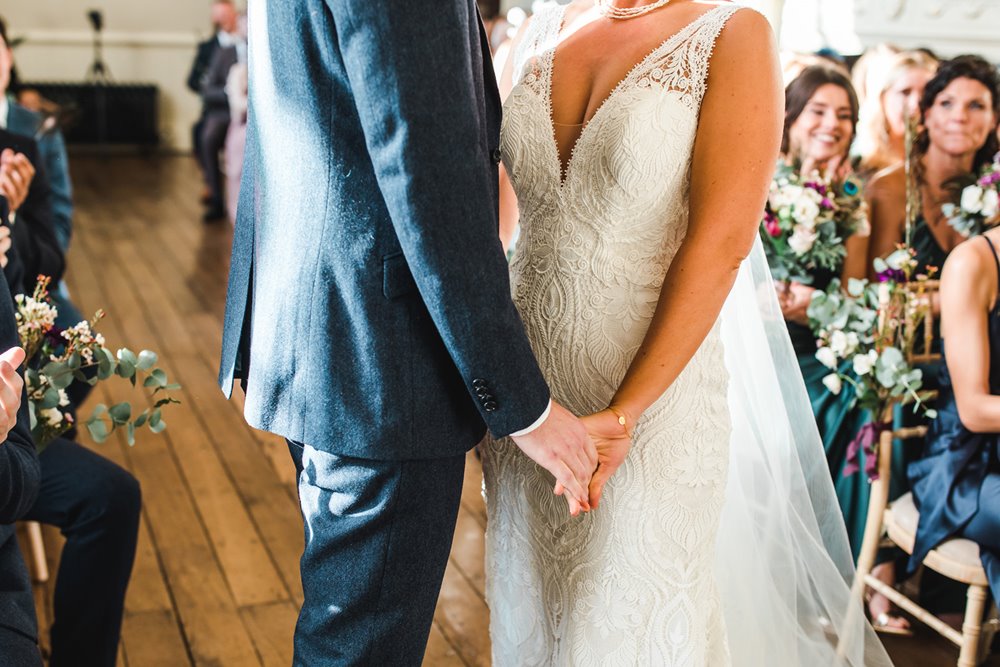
(216, 579)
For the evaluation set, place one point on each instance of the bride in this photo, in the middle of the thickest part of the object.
(640, 138)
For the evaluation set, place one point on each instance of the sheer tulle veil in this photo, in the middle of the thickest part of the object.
(783, 563)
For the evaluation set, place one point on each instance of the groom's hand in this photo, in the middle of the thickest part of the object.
(561, 446)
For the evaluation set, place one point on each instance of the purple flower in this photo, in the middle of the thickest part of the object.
(827, 203)
(891, 275)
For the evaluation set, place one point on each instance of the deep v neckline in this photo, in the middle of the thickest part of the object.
(564, 168)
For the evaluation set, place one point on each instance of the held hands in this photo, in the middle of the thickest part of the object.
(613, 442)
(11, 386)
(16, 173)
(561, 446)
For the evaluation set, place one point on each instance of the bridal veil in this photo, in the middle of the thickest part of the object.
(783, 563)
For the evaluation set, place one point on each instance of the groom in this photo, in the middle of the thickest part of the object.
(369, 314)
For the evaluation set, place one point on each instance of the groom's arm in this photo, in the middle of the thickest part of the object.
(412, 76)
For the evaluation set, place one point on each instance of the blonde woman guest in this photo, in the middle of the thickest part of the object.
(894, 97)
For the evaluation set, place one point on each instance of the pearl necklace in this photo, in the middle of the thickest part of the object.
(608, 9)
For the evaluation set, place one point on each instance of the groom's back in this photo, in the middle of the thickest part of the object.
(343, 351)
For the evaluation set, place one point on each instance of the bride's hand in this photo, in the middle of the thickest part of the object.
(612, 446)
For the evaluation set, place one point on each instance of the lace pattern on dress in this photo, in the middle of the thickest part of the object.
(632, 583)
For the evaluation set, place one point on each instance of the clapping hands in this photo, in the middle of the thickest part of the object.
(11, 386)
(16, 174)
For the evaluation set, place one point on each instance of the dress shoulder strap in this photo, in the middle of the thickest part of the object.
(530, 61)
(995, 259)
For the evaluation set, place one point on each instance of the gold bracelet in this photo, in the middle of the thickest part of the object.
(621, 420)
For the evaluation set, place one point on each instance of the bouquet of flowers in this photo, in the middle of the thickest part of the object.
(54, 359)
(979, 205)
(806, 221)
(865, 338)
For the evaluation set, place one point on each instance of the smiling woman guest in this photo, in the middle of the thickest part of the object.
(959, 110)
(821, 113)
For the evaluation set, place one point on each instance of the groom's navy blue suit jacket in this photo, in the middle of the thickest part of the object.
(369, 308)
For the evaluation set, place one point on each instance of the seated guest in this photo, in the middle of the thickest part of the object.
(821, 113)
(93, 501)
(959, 112)
(52, 156)
(956, 486)
(894, 97)
(51, 147)
(36, 250)
(19, 479)
(210, 76)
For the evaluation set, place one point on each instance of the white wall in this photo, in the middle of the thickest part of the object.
(950, 27)
(145, 41)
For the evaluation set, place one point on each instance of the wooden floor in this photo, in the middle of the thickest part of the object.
(216, 576)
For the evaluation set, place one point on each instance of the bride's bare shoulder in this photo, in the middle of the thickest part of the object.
(746, 42)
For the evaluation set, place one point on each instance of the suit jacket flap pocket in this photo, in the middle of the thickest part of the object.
(396, 277)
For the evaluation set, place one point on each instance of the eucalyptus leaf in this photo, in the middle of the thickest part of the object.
(856, 287)
(120, 413)
(140, 421)
(126, 368)
(98, 430)
(154, 418)
(49, 400)
(127, 355)
(147, 359)
(130, 436)
(62, 380)
(159, 427)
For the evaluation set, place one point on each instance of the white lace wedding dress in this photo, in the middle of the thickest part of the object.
(719, 541)
(631, 584)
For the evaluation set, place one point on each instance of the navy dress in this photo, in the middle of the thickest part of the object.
(956, 486)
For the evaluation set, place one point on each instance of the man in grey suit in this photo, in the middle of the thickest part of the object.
(369, 314)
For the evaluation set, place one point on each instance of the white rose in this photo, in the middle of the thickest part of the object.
(852, 344)
(806, 211)
(991, 203)
(897, 259)
(826, 357)
(52, 416)
(864, 363)
(785, 196)
(833, 383)
(838, 343)
(972, 199)
(802, 239)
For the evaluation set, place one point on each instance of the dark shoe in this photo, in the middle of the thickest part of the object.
(214, 214)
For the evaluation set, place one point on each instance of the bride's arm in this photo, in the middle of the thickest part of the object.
(735, 149)
(734, 153)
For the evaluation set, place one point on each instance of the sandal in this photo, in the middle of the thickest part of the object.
(883, 622)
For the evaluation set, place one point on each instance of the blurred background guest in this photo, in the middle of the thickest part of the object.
(894, 96)
(959, 111)
(208, 79)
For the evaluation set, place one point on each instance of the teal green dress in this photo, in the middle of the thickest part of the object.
(838, 421)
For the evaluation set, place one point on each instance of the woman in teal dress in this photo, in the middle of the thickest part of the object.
(959, 111)
(821, 113)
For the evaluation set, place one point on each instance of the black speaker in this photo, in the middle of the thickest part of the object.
(106, 113)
